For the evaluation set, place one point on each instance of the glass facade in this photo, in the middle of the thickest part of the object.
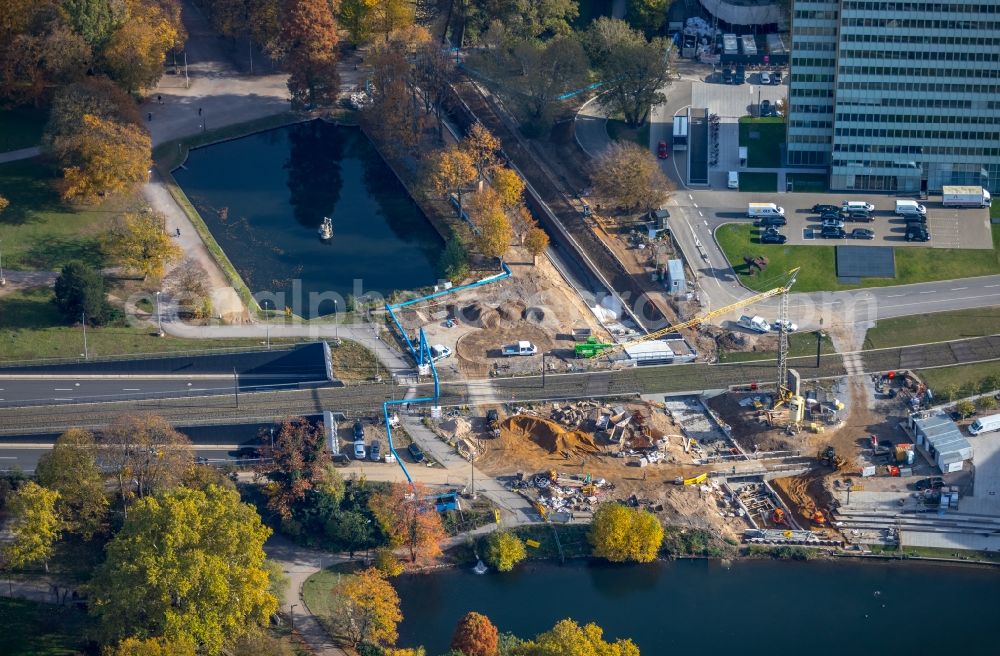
(896, 96)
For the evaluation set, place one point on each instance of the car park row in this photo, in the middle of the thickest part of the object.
(833, 219)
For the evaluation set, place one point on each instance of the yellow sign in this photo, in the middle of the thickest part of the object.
(700, 478)
(496, 515)
(534, 544)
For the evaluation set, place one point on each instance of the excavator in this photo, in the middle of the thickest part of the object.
(778, 517)
(594, 347)
(829, 457)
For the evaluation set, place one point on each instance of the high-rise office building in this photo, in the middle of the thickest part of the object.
(896, 96)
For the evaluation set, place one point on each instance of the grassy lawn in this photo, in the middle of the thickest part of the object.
(40, 232)
(935, 552)
(763, 138)
(799, 345)
(620, 132)
(316, 590)
(808, 182)
(353, 363)
(960, 376)
(937, 327)
(819, 265)
(758, 182)
(21, 128)
(28, 628)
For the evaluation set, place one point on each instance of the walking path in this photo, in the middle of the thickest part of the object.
(24, 153)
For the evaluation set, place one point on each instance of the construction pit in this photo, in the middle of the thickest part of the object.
(567, 457)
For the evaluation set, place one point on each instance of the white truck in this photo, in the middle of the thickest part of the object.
(985, 425)
(965, 196)
(910, 208)
(755, 323)
(520, 348)
(761, 210)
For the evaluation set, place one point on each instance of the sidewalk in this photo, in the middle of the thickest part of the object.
(24, 153)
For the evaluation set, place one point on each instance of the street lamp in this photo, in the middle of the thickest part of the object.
(83, 322)
(336, 321)
(267, 326)
(159, 320)
(291, 615)
(819, 345)
(3, 281)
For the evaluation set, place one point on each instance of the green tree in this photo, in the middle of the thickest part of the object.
(504, 550)
(567, 638)
(634, 70)
(79, 292)
(388, 16)
(295, 464)
(620, 534)
(152, 647)
(548, 69)
(186, 565)
(139, 243)
(990, 383)
(986, 403)
(349, 530)
(629, 176)
(648, 15)
(71, 469)
(309, 42)
(35, 525)
(454, 261)
(95, 20)
(475, 635)
(965, 408)
(367, 608)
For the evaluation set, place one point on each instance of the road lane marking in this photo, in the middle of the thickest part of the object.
(958, 289)
(931, 292)
(991, 285)
(700, 214)
(895, 295)
(695, 204)
(131, 389)
(706, 222)
(62, 389)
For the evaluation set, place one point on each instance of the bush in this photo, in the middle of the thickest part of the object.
(503, 551)
(80, 290)
(454, 262)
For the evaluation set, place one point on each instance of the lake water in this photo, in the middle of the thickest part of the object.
(264, 197)
(750, 607)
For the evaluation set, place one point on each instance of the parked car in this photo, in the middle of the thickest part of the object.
(359, 431)
(862, 233)
(765, 78)
(772, 237)
(823, 208)
(917, 232)
(415, 452)
(772, 221)
(932, 483)
(833, 223)
(849, 205)
(440, 352)
(375, 451)
(785, 325)
(661, 150)
(857, 215)
(833, 233)
(765, 108)
(776, 77)
(359, 450)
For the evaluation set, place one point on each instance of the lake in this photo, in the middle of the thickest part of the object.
(264, 197)
(698, 606)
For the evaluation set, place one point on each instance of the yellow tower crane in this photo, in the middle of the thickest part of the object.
(592, 347)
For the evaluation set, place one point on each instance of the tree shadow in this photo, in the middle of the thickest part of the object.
(52, 252)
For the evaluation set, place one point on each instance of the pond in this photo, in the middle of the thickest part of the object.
(698, 606)
(264, 198)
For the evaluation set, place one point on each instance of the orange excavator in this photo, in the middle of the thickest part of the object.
(819, 519)
(778, 517)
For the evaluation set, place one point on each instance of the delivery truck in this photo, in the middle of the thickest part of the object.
(762, 210)
(757, 324)
(985, 425)
(965, 196)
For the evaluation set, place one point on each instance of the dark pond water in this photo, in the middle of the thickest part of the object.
(758, 607)
(265, 196)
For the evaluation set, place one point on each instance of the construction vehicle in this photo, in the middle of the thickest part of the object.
(819, 519)
(829, 457)
(778, 517)
(592, 347)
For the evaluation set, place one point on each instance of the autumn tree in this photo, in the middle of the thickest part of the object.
(96, 96)
(190, 289)
(145, 455)
(34, 524)
(548, 69)
(355, 16)
(567, 638)
(527, 19)
(965, 408)
(536, 241)
(135, 52)
(620, 534)
(46, 55)
(387, 562)
(509, 187)
(138, 242)
(522, 222)
(80, 293)
(434, 71)
(409, 519)
(152, 647)
(186, 565)
(387, 16)
(395, 115)
(296, 463)
(475, 635)
(493, 229)
(367, 608)
(104, 157)
(482, 147)
(95, 20)
(504, 550)
(71, 470)
(633, 69)
(449, 171)
(309, 44)
(630, 177)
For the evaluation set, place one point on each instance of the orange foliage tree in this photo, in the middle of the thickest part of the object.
(309, 44)
(475, 635)
(409, 519)
(104, 157)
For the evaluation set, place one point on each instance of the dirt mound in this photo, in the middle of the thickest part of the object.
(511, 311)
(549, 435)
(479, 315)
(804, 493)
(458, 427)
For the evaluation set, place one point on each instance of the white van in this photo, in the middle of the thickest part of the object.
(985, 425)
(734, 180)
(910, 208)
(761, 210)
(857, 206)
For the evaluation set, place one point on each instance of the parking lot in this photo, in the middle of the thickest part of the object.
(949, 227)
